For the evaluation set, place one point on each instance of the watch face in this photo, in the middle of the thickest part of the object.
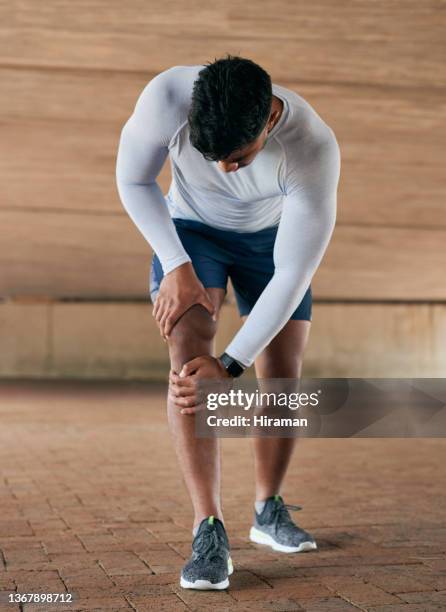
(231, 365)
(234, 369)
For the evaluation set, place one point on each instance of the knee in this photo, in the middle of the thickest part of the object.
(191, 336)
(194, 325)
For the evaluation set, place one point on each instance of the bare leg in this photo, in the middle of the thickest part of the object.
(282, 358)
(199, 458)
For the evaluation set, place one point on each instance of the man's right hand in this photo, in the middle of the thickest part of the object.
(179, 290)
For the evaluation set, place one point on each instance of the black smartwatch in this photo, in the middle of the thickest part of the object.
(232, 367)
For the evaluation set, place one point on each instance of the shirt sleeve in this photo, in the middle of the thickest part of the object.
(306, 225)
(143, 148)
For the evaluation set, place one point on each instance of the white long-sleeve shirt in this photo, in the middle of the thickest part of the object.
(292, 183)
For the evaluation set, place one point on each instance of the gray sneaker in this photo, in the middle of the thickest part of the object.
(275, 528)
(210, 564)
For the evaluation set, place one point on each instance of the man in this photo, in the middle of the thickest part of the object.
(253, 198)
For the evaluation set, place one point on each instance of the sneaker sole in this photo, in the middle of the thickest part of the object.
(206, 585)
(263, 538)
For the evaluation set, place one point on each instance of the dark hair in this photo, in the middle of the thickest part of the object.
(231, 104)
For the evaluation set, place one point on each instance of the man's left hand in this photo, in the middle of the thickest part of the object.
(183, 387)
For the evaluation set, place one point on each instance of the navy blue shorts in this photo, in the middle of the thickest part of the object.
(244, 257)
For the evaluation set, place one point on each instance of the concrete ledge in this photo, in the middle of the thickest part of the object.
(94, 340)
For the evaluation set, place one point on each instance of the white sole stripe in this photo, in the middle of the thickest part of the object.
(257, 536)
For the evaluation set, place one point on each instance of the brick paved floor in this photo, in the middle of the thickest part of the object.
(91, 502)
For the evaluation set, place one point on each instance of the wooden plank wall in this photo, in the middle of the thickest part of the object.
(53, 339)
(71, 72)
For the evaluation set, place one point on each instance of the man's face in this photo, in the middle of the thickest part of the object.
(243, 157)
